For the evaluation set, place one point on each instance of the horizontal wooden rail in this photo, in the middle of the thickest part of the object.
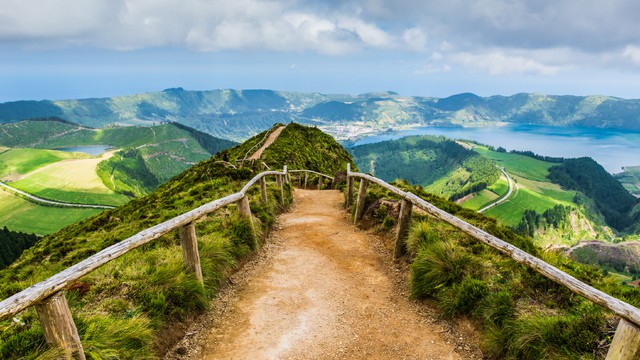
(312, 172)
(619, 307)
(46, 288)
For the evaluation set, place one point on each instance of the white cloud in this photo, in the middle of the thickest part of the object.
(632, 53)
(415, 39)
(204, 25)
(497, 62)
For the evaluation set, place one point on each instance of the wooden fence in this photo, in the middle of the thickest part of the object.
(48, 295)
(320, 177)
(626, 342)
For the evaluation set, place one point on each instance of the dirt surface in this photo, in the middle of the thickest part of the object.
(322, 289)
(272, 137)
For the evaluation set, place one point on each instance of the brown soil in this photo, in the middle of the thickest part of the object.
(322, 289)
(272, 137)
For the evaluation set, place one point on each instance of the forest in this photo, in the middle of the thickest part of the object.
(12, 244)
(584, 174)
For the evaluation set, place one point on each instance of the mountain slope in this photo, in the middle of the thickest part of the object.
(120, 308)
(238, 114)
(469, 172)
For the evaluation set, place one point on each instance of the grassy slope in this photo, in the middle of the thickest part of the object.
(71, 181)
(20, 161)
(21, 215)
(630, 179)
(520, 314)
(488, 195)
(519, 165)
(124, 304)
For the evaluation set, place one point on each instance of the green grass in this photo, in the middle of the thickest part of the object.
(500, 187)
(519, 165)
(537, 198)
(73, 181)
(121, 307)
(20, 161)
(481, 199)
(21, 215)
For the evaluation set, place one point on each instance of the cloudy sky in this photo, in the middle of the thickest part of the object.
(57, 49)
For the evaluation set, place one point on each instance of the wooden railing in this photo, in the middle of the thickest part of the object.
(48, 296)
(626, 342)
(306, 177)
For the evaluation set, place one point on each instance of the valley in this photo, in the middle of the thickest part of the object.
(126, 162)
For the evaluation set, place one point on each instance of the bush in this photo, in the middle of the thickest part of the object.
(462, 298)
(437, 265)
(421, 233)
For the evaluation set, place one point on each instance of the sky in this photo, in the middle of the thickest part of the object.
(65, 49)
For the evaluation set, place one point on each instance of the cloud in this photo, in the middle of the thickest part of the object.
(497, 62)
(204, 25)
(632, 53)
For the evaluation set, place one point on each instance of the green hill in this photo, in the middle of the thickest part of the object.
(140, 160)
(121, 308)
(630, 179)
(443, 166)
(468, 172)
(238, 114)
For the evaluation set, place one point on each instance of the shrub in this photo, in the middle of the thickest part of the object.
(420, 233)
(462, 298)
(439, 264)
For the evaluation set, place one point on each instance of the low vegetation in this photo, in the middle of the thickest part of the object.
(21, 215)
(521, 314)
(122, 307)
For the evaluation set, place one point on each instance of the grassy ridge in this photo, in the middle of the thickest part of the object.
(444, 166)
(121, 307)
(520, 165)
(521, 314)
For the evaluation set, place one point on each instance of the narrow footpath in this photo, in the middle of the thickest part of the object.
(325, 292)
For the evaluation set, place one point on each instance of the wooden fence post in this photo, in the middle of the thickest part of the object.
(404, 220)
(306, 178)
(263, 189)
(362, 194)
(626, 342)
(245, 211)
(59, 328)
(190, 253)
(349, 187)
(279, 180)
(319, 182)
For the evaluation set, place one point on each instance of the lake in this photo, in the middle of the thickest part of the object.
(612, 149)
(93, 150)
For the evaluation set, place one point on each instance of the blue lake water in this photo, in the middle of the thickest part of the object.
(612, 149)
(94, 150)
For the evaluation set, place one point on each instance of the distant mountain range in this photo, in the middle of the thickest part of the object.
(238, 114)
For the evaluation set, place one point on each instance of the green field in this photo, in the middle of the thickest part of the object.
(481, 199)
(488, 195)
(530, 195)
(21, 215)
(20, 161)
(74, 180)
(519, 165)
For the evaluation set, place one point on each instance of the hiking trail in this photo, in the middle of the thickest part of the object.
(322, 289)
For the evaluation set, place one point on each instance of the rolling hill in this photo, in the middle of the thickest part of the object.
(549, 210)
(139, 159)
(125, 305)
(238, 114)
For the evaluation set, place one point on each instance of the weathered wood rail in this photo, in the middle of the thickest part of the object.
(626, 341)
(320, 176)
(48, 295)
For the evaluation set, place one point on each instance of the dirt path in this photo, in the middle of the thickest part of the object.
(272, 137)
(325, 292)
